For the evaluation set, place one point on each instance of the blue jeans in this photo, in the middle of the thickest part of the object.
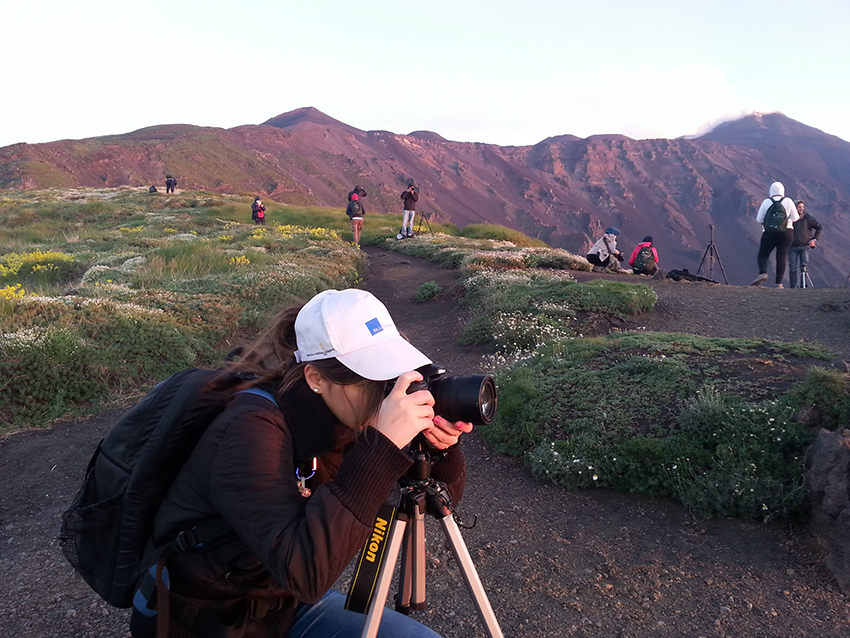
(407, 222)
(328, 618)
(798, 259)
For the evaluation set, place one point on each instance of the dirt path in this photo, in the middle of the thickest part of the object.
(554, 563)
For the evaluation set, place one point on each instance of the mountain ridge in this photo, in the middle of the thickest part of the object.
(564, 189)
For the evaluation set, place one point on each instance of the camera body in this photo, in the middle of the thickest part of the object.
(470, 398)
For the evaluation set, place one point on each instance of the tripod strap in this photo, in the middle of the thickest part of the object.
(372, 557)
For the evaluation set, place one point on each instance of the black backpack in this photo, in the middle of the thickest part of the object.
(776, 217)
(354, 209)
(105, 534)
(645, 259)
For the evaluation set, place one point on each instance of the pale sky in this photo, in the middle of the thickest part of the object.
(494, 71)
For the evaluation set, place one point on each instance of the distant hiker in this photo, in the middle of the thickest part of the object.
(644, 259)
(777, 215)
(361, 193)
(409, 197)
(355, 213)
(804, 240)
(170, 184)
(258, 212)
(600, 254)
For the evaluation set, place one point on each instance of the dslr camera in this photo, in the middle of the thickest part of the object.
(470, 398)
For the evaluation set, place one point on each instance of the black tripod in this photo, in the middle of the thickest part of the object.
(421, 494)
(423, 217)
(712, 254)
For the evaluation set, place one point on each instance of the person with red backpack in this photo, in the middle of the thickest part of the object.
(777, 215)
(354, 210)
(258, 211)
(644, 258)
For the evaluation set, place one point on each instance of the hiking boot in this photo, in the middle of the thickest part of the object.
(758, 281)
(779, 286)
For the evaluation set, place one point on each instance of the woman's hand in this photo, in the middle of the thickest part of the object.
(402, 416)
(445, 434)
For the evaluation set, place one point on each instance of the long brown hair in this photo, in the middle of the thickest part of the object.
(271, 359)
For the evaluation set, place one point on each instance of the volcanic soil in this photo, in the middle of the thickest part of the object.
(553, 562)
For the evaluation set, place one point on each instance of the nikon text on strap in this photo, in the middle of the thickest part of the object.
(372, 557)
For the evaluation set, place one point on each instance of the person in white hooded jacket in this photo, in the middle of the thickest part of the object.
(779, 239)
(601, 252)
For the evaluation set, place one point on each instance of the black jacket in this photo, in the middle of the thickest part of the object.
(289, 548)
(803, 231)
(410, 199)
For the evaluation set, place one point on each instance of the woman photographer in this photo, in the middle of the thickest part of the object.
(333, 416)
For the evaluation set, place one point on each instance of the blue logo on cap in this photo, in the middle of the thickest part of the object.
(374, 326)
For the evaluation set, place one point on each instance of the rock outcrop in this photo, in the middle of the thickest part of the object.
(828, 482)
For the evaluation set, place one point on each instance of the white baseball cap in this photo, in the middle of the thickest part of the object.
(355, 328)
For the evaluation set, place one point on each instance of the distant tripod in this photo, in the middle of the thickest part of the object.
(712, 254)
(805, 280)
(423, 217)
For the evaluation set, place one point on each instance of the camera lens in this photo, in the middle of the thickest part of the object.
(471, 398)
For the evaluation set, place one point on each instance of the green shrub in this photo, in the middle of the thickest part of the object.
(47, 372)
(499, 233)
(40, 268)
(428, 291)
(638, 412)
(828, 393)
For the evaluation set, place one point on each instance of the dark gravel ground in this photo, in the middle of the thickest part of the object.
(554, 563)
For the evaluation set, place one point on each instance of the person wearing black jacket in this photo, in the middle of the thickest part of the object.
(299, 474)
(806, 232)
(409, 197)
(361, 194)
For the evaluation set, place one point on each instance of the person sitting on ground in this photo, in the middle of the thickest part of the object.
(644, 258)
(601, 252)
(339, 371)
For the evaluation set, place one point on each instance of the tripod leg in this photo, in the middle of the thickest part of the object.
(704, 255)
(720, 263)
(470, 577)
(385, 578)
(411, 594)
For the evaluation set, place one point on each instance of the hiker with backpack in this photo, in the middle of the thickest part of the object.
(360, 192)
(601, 252)
(170, 184)
(354, 210)
(644, 258)
(258, 211)
(777, 215)
(283, 485)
